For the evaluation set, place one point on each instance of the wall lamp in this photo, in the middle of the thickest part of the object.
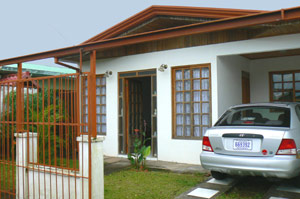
(108, 73)
(163, 67)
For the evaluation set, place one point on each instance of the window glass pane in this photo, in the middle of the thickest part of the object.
(187, 74)
(98, 91)
(287, 96)
(197, 96)
(103, 128)
(98, 120)
(197, 108)
(178, 74)
(287, 77)
(197, 131)
(103, 80)
(187, 85)
(277, 86)
(196, 84)
(297, 85)
(179, 119)
(277, 95)
(205, 83)
(196, 73)
(179, 86)
(205, 120)
(179, 97)
(187, 119)
(197, 120)
(98, 99)
(98, 81)
(297, 96)
(288, 86)
(86, 100)
(204, 130)
(98, 128)
(103, 100)
(86, 91)
(297, 76)
(179, 108)
(86, 109)
(205, 95)
(187, 108)
(85, 82)
(187, 96)
(205, 72)
(205, 107)
(188, 131)
(103, 90)
(179, 131)
(98, 109)
(103, 109)
(103, 119)
(277, 78)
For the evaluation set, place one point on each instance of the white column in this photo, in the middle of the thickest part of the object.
(22, 158)
(97, 165)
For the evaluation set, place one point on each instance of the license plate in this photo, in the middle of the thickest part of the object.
(243, 145)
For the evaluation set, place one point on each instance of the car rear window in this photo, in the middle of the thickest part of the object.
(256, 116)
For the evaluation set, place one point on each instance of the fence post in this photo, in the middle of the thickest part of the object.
(22, 158)
(97, 173)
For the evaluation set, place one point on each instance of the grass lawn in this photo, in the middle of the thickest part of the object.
(151, 184)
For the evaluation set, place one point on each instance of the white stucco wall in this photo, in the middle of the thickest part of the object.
(225, 87)
(259, 74)
(230, 80)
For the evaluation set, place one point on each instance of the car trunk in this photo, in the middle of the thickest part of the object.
(249, 141)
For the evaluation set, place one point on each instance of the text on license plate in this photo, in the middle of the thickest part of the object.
(242, 144)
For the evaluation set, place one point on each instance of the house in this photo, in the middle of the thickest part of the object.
(171, 71)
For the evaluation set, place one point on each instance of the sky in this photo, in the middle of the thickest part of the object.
(32, 26)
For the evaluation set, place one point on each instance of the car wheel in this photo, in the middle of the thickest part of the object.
(218, 175)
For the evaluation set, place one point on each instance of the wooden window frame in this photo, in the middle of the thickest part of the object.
(84, 86)
(271, 83)
(191, 102)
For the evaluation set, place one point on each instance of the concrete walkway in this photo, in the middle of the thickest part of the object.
(114, 164)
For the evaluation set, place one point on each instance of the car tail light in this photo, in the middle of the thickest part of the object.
(287, 147)
(206, 146)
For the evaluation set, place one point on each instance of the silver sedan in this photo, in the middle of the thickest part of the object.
(260, 139)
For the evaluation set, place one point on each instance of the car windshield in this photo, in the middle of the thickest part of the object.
(256, 116)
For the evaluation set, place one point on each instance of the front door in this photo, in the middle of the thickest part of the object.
(137, 110)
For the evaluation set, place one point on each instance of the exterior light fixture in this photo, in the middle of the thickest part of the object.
(108, 73)
(163, 67)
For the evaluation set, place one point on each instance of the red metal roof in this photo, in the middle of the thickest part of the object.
(215, 13)
(217, 25)
(9, 79)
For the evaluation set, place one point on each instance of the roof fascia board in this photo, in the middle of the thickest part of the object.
(218, 25)
(169, 11)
